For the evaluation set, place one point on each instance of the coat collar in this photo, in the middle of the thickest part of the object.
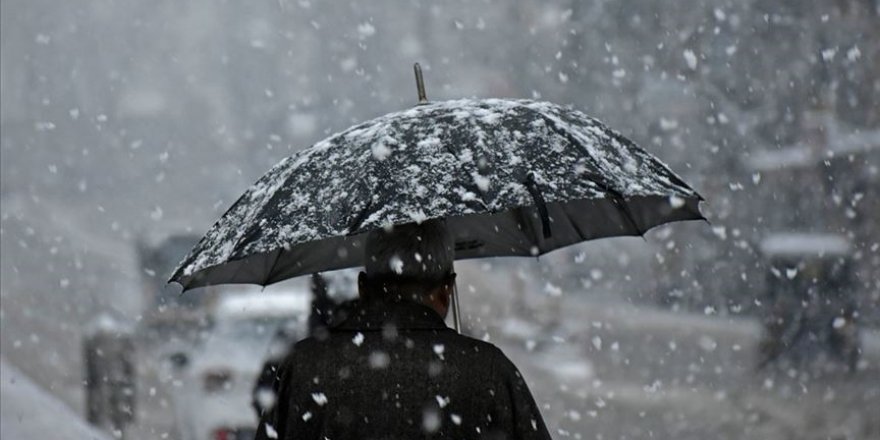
(373, 315)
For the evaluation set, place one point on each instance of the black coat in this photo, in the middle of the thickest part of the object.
(393, 370)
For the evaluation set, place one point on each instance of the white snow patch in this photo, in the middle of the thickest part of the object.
(691, 59)
(853, 54)
(482, 182)
(366, 30)
(396, 264)
(552, 289)
(379, 360)
(707, 343)
(442, 401)
(430, 421)
(430, 142)
(348, 64)
(828, 54)
(270, 431)
(675, 201)
(491, 118)
(319, 398)
(381, 151)
(668, 124)
(266, 397)
(417, 216)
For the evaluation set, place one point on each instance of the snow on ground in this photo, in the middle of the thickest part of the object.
(29, 412)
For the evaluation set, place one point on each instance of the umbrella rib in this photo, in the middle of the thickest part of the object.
(370, 190)
(356, 223)
(619, 202)
(237, 271)
(622, 139)
(255, 228)
(271, 271)
(654, 163)
(532, 187)
(617, 198)
(477, 129)
(574, 225)
(188, 260)
(525, 225)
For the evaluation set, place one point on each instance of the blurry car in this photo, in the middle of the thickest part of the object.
(214, 397)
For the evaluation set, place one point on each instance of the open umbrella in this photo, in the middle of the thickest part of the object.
(511, 177)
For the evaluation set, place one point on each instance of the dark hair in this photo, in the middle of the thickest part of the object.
(410, 257)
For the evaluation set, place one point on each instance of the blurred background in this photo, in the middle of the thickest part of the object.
(128, 127)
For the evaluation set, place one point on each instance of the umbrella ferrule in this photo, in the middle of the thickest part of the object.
(420, 84)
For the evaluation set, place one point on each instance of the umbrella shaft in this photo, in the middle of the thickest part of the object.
(456, 312)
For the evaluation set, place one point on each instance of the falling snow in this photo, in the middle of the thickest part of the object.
(123, 125)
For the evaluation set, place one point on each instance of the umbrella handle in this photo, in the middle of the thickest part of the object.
(456, 312)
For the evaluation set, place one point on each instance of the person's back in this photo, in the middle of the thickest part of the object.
(395, 370)
(392, 369)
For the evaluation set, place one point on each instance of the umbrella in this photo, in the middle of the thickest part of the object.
(511, 178)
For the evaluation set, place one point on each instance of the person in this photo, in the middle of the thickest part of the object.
(390, 368)
(322, 309)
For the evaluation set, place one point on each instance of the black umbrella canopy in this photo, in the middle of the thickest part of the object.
(511, 177)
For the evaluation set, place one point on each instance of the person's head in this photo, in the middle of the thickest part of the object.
(412, 261)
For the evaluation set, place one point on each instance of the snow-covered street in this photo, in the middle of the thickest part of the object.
(29, 412)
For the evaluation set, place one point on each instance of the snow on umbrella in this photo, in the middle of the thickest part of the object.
(511, 177)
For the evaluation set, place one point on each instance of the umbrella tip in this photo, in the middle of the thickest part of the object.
(420, 84)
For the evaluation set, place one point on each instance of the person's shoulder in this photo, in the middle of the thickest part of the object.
(326, 342)
(501, 364)
(303, 348)
(480, 347)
